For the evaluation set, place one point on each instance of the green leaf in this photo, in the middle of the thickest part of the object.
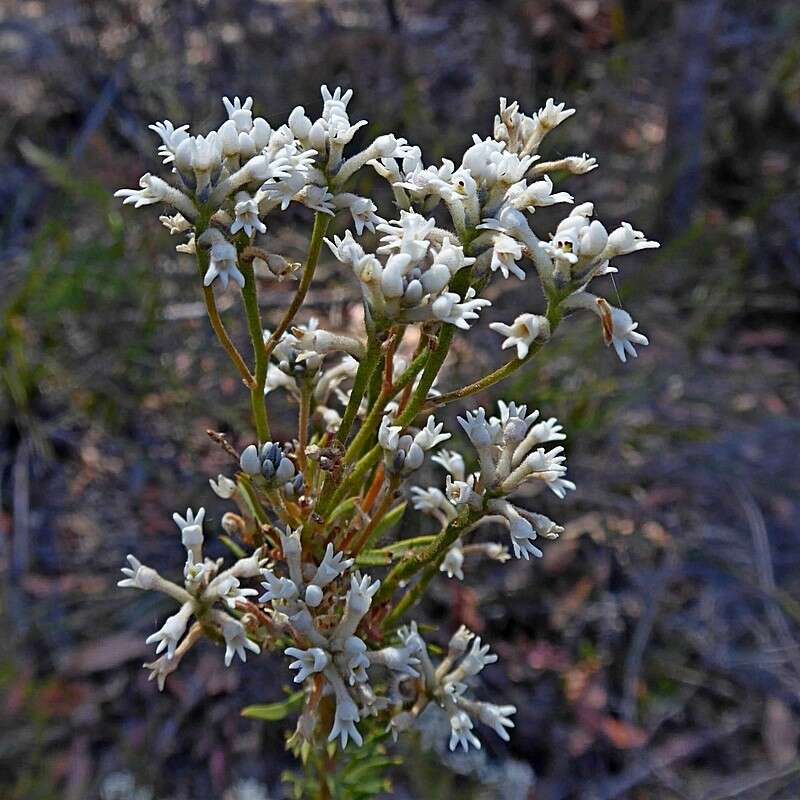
(273, 712)
(232, 546)
(387, 523)
(345, 507)
(373, 558)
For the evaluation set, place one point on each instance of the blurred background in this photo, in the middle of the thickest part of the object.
(655, 651)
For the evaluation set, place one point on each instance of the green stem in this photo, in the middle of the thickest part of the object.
(432, 367)
(554, 316)
(216, 322)
(405, 544)
(303, 415)
(321, 222)
(427, 557)
(363, 539)
(256, 331)
(362, 466)
(411, 597)
(373, 418)
(366, 367)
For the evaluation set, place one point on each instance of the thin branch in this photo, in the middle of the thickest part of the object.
(321, 222)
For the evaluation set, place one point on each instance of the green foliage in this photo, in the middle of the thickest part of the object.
(388, 523)
(274, 712)
(358, 777)
(78, 315)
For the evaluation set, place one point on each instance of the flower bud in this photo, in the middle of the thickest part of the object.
(233, 524)
(249, 460)
(313, 595)
(299, 123)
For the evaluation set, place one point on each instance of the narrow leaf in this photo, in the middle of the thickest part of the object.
(273, 712)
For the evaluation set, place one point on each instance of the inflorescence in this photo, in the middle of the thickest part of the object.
(316, 510)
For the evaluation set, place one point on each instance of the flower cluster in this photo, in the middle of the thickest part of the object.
(446, 686)
(315, 508)
(209, 594)
(411, 283)
(510, 455)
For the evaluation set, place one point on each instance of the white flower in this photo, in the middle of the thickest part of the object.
(560, 487)
(240, 113)
(355, 659)
(228, 590)
(577, 239)
(317, 198)
(222, 263)
(452, 256)
(388, 434)
(522, 536)
(461, 732)
(175, 224)
(546, 465)
(408, 235)
(299, 123)
(452, 461)
(496, 717)
(431, 500)
(580, 165)
(357, 602)
(331, 567)
(171, 137)
(362, 209)
(200, 155)
(160, 669)
(346, 249)
(549, 430)
(536, 195)
(138, 576)
(152, 190)
(453, 562)
(626, 240)
(448, 308)
(344, 722)
(514, 422)
(246, 210)
(315, 659)
(461, 493)
(544, 525)
(479, 430)
(489, 163)
(171, 631)
(622, 333)
(283, 191)
(409, 636)
(277, 588)
(459, 642)
(191, 528)
(505, 254)
(524, 331)
(359, 596)
(431, 435)
(193, 572)
(236, 641)
(476, 659)
(399, 659)
(223, 487)
(552, 114)
(249, 460)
